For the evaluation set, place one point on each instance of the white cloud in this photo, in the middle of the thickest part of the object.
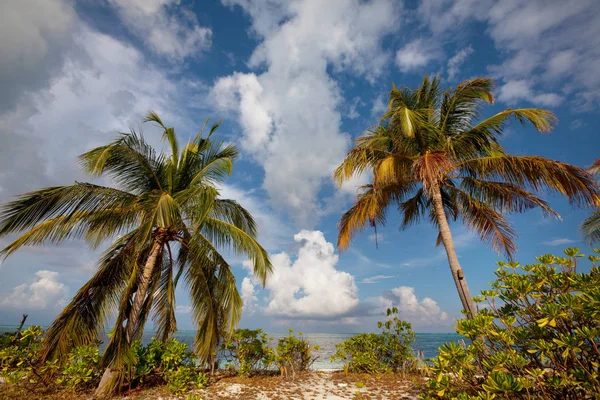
(45, 292)
(576, 124)
(457, 61)
(352, 110)
(310, 287)
(423, 312)
(379, 106)
(34, 36)
(248, 297)
(181, 309)
(376, 278)
(559, 242)
(416, 55)
(294, 103)
(165, 26)
(513, 91)
(555, 40)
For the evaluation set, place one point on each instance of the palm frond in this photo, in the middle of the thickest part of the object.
(223, 234)
(537, 173)
(591, 227)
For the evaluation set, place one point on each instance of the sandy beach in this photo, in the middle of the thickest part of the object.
(317, 385)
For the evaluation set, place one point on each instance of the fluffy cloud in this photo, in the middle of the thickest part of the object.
(457, 61)
(514, 91)
(164, 26)
(294, 103)
(416, 55)
(34, 36)
(309, 287)
(248, 296)
(44, 293)
(420, 312)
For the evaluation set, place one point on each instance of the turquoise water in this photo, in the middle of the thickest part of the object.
(426, 342)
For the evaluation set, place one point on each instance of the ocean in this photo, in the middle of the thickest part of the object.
(428, 343)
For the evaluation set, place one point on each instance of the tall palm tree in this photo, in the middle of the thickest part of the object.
(591, 225)
(432, 158)
(167, 222)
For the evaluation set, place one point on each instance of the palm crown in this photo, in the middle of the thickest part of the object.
(431, 158)
(169, 223)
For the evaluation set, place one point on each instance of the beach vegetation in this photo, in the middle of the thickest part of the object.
(373, 353)
(536, 336)
(167, 223)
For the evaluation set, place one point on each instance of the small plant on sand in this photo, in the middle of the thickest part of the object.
(248, 350)
(81, 367)
(294, 354)
(538, 337)
(19, 356)
(376, 353)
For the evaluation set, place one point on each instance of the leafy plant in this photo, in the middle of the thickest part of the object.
(376, 353)
(81, 367)
(538, 337)
(184, 378)
(248, 350)
(19, 358)
(294, 354)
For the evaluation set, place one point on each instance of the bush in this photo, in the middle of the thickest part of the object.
(18, 358)
(248, 350)
(538, 338)
(376, 353)
(184, 378)
(81, 367)
(293, 354)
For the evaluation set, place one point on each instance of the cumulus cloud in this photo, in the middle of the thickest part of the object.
(416, 55)
(294, 103)
(308, 287)
(559, 242)
(421, 312)
(45, 292)
(514, 91)
(456, 61)
(34, 36)
(248, 296)
(165, 26)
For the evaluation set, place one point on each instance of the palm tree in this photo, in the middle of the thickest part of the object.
(591, 225)
(167, 222)
(432, 159)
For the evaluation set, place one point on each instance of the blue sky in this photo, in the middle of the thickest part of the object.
(295, 82)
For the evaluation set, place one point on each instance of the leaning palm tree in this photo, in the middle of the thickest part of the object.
(591, 225)
(167, 223)
(431, 158)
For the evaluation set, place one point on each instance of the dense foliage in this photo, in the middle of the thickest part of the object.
(379, 352)
(248, 351)
(537, 338)
(294, 354)
(170, 362)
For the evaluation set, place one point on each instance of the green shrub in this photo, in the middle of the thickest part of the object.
(376, 353)
(293, 354)
(184, 378)
(80, 368)
(18, 358)
(537, 338)
(248, 351)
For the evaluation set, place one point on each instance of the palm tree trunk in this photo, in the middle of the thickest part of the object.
(108, 383)
(457, 272)
(142, 289)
